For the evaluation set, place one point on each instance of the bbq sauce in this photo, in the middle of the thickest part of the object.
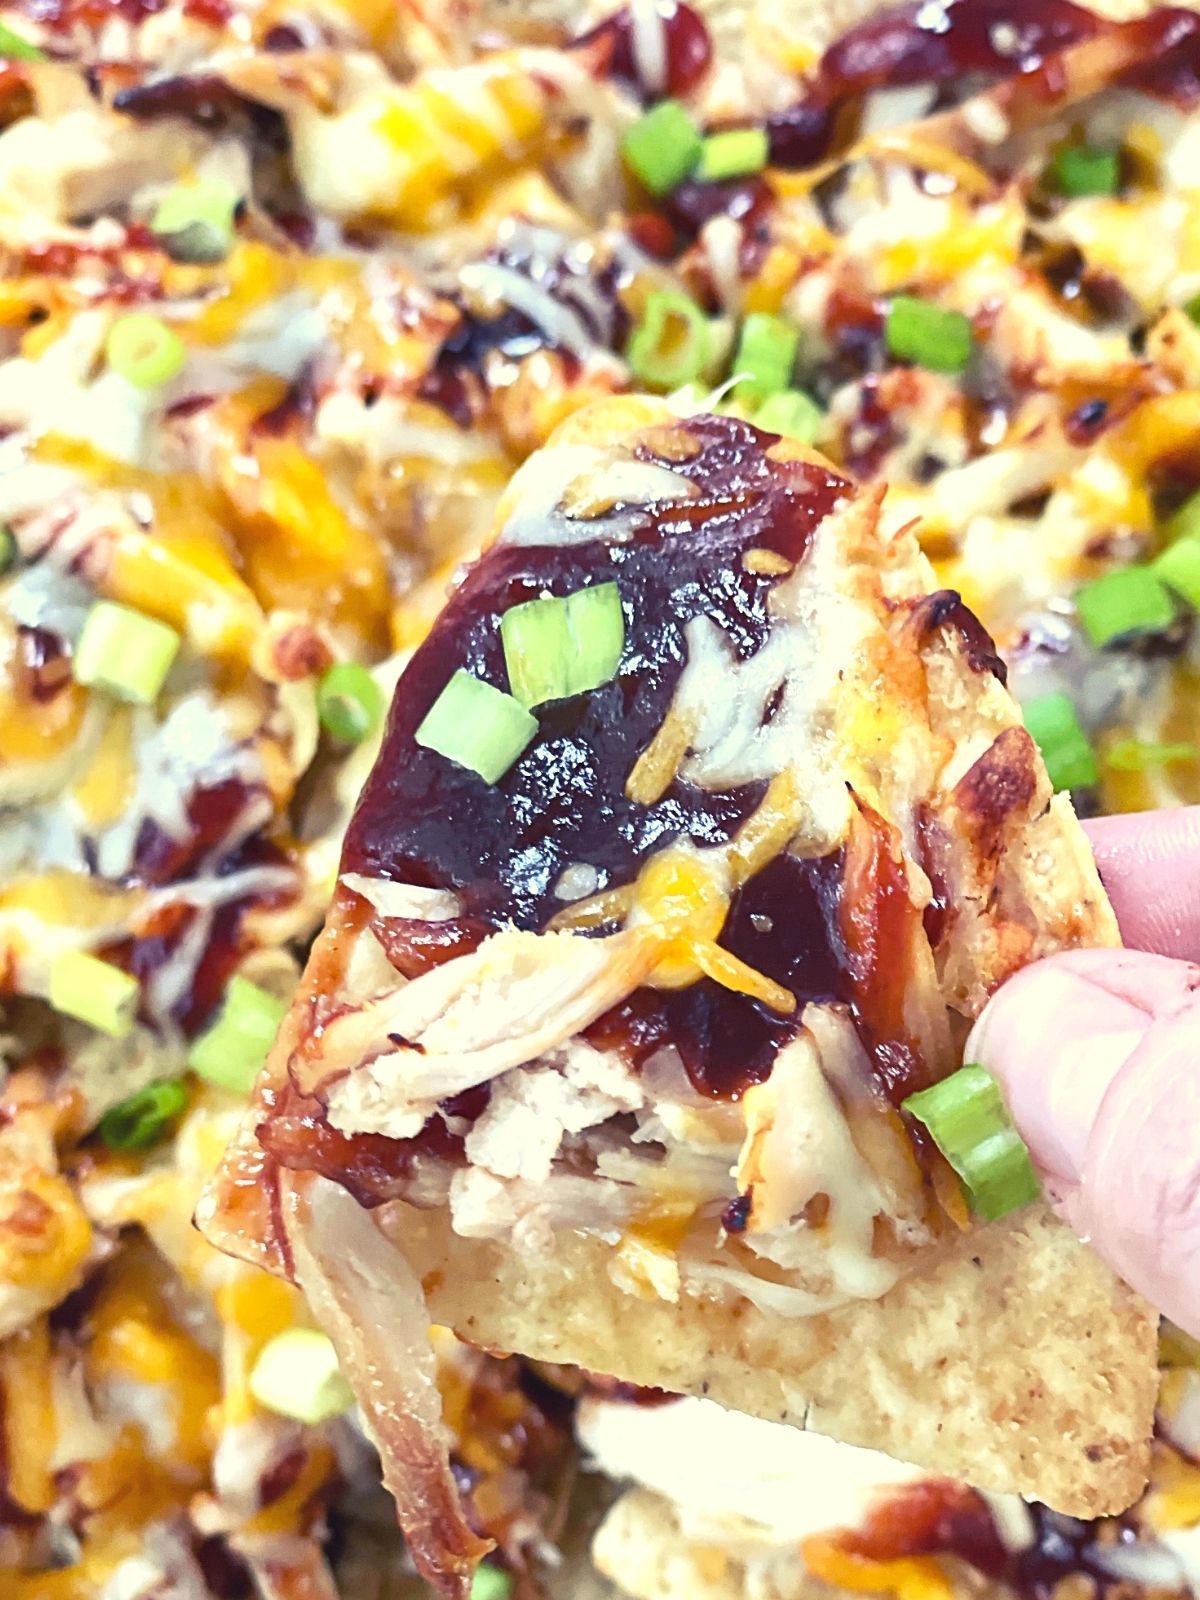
(503, 848)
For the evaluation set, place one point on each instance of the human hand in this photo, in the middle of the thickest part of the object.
(1098, 1054)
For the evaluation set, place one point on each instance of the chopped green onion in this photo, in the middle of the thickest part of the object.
(142, 1120)
(1066, 749)
(1140, 755)
(1179, 568)
(297, 1375)
(491, 1583)
(482, 728)
(1083, 169)
(924, 334)
(1127, 600)
(967, 1120)
(125, 652)
(8, 549)
(14, 48)
(1185, 522)
(143, 350)
(597, 626)
(672, 342)
(790, 412)
(195, 220)
(766, 355)
(555, 648)
(349, 702)
(537, 642)
(1192, 308)
(231, 1050)
(662, 147)
(93, 991)
(735, 153)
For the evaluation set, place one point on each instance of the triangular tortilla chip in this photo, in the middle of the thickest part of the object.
(609, 1045)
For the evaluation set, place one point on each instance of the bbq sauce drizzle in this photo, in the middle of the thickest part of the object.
(502, 848)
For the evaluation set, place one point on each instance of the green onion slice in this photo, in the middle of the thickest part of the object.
(790, 412)
(143, 1119)
(482, 728)
(672, 342)
(125, 652)
(491, 1583)
(555, 648)
(1083, 169)
(231, 1050)
(195, 220)
(1066, 749)
(1127, 600)
(597, 627)
(734, 153)
(928, 336)
(537, 644)
(1179, 568)
(1141, 755)
(93, 991)
(349, 702)
(143, 350)
(662, 147)
(967, 1120)
(8, 549)
(765, 356)
(14, 48)
(297, 1375)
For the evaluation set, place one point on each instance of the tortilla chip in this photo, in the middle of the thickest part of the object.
(1015, 1360)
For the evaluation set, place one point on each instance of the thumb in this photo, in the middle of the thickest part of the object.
(1097, 1054)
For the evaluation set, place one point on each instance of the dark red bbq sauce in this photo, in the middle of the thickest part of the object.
(502, 847)
(297, 1134)
(688, 49)
(424, 820)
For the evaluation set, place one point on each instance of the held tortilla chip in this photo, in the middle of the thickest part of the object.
(600, 1055)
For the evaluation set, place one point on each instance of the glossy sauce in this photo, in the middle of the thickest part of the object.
(687, 48)
(502, 848)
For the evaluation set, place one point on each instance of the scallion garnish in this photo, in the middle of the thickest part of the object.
(672, 341)
(928, 336)
(1066, 749)
(1127, 600)
(125, 652)
(555, 648)
(1084, 169)
(1142, 755)
(145, 1117)
(8, 549)
(1179, 568)
(297, 1375)
(478, 726)
(790, 412)
(967, 1120)
(662, 147)
(766, 354)
(143, 350)
(491, 1583)
(93, 991)
(231, 1050)
(537, 642)
(14, 48)
(349, 702)
(195, 220)
(733, 153)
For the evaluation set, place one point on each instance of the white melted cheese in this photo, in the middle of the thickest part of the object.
(723, 1470)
